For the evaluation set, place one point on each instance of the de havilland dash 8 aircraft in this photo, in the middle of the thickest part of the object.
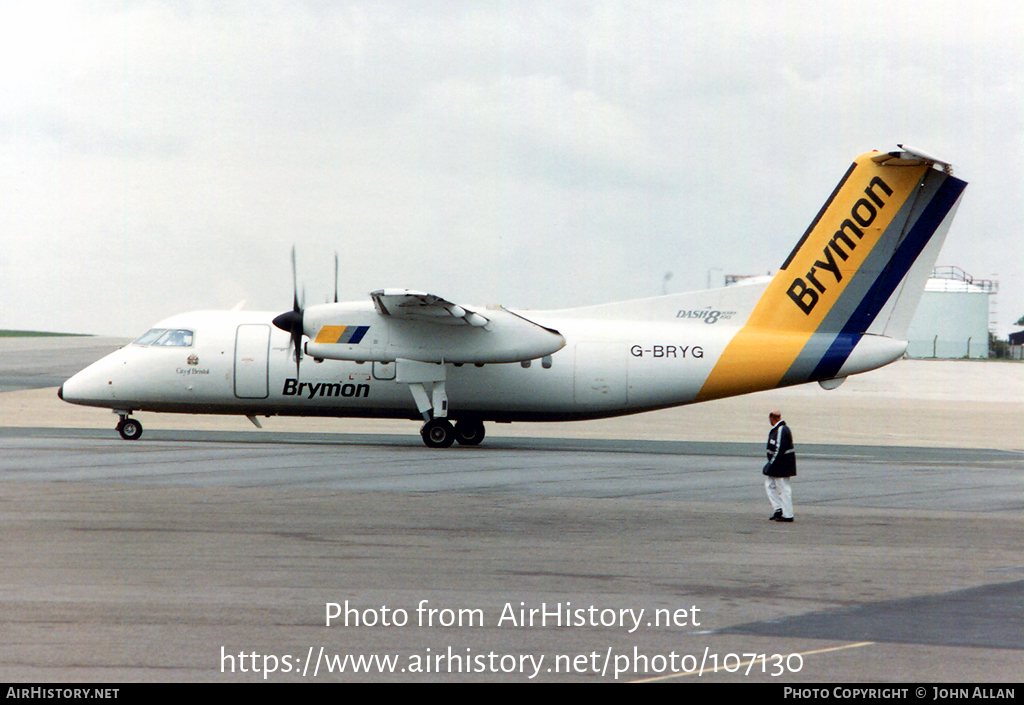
(840, 305)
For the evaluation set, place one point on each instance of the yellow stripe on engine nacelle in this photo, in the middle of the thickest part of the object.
(800, 296)
(330, 334)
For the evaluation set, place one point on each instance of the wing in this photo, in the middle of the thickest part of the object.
(428, 308)
(412, 325)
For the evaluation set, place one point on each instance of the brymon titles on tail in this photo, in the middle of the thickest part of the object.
(844, 297)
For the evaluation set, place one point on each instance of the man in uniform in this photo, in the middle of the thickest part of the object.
(780, 467)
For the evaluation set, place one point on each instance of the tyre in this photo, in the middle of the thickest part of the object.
(469, 432)
(438, 433)
(130, 429)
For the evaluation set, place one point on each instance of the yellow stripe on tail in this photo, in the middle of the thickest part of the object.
(814, 278)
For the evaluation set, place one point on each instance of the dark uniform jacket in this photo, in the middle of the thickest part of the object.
(781, 456)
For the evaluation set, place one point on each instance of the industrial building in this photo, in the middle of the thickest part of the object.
(954, 316)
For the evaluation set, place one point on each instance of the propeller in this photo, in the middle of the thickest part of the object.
(291, 321)
(328, 299)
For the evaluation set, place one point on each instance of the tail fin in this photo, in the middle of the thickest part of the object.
(858, 270)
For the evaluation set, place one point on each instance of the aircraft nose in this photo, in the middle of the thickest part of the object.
(98, 384)
(80, 388)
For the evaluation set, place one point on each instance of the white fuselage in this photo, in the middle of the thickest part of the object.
(239, 363)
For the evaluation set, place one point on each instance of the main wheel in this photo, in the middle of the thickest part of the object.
(438, 433)
(469, 432)
(130, 429)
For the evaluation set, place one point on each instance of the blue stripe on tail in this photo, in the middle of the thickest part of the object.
(880, 292)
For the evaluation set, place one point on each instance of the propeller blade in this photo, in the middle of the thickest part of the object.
(291, 321)
(295, 283)
(335, 277)
(297, 345)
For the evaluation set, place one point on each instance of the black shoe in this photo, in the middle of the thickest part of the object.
(776, 516)
(784, 519)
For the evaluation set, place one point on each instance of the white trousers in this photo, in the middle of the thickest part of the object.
(780, 494)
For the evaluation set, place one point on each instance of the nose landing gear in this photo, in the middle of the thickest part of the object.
(129, 428)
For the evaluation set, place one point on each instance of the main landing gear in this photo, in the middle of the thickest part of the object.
(439, 432)
(129, 428)
(426, 382)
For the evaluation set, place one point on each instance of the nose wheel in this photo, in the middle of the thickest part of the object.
(129, 428)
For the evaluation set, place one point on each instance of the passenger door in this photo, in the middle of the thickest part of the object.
(252, 355)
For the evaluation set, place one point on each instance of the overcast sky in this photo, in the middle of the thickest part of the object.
(157, 157)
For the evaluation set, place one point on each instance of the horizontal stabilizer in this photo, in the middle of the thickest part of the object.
(908, 156)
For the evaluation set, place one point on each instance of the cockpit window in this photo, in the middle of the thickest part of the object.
(173, 337)
(149, 336)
